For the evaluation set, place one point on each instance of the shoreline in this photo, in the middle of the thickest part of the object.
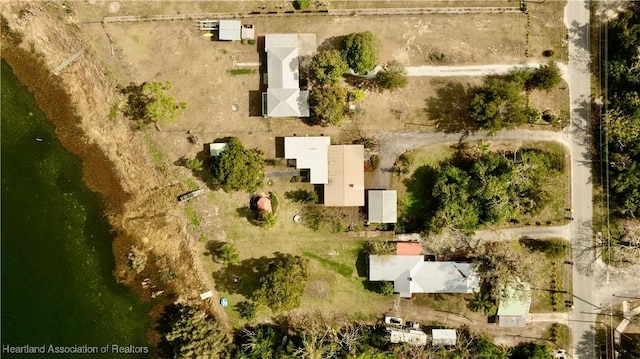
(115, 164)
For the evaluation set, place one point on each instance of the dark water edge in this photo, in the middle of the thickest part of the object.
(57, 262)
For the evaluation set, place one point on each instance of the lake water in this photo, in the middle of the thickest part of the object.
(57, 282)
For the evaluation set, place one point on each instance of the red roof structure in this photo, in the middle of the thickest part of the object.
(264, 205)
(408, 248)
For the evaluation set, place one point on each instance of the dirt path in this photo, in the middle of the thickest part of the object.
(476, 70)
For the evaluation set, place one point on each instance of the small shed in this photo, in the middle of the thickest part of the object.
(408, 248)
(264, 205)
(248, 32)
(383, 206)
(216, 148)
(443, 337)
(230, 30)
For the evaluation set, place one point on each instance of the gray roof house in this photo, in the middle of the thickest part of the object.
(412, 274)
(383, 206)
(283, 97)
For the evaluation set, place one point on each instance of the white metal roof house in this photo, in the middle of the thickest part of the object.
(310, 153)
(283, 97)
(443, 337)
(412, 274)
(383, 206)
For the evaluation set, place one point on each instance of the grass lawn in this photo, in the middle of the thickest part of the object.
(556, 278)
(337, 266)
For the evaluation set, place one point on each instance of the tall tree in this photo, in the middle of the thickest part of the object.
(361, 51)
(282, 287)
(328, 103)
(149, 102)
(498, 104)
(506, 264)
(545, 77)
(327, 67)
(238, 168)
(193, 334)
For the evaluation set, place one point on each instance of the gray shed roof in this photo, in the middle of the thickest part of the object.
(229, 30)
(443, 337)
(383, 206)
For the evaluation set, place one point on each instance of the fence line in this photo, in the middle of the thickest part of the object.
(332, 12)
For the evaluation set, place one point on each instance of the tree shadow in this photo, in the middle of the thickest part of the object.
(449, 108)
(585, 347)
(249, 214)
(360, 82)
(163, 326)
(419, 190)
(214, 249)
(243, 278)
(362, 262)
(332, 43)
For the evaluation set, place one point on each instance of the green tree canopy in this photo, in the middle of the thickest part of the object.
(149, 102)
(361, 51)
(621, 121)
(238, 168)
(282, 287)
(506, 264)
(498, 104)
(327, 67)
(328, 104)
(490, 189)
(530, 351)
(193, 334)
(545, 77)
(393, 76)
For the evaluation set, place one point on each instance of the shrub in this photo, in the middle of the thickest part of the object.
(194, 164)
(275, 202)
(251, 42)
(136, 260)
(385, 288)
(301, 4)
(392, 77)
(548, 53)
(246, 309)
(302, 196)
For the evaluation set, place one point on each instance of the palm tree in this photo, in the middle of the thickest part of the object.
(481, 302)
(228, 255)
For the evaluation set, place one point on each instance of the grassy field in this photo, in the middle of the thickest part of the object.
(336, 263)
(556, 278)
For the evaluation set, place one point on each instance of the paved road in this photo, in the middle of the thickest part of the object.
(582, 317)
